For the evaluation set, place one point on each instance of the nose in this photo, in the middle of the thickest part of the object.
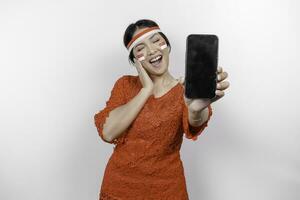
(152, 50)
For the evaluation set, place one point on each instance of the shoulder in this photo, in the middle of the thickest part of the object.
(181, 88)
(126, 80)
(123, 78)
(127, 85)
(181, 93)
(127, 77)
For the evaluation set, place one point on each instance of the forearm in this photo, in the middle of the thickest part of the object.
(198, 118)
(120, 118)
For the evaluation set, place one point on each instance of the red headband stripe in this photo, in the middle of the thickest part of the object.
(141, 33)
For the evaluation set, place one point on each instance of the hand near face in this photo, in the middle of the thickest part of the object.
(202, 103)
(143, 75)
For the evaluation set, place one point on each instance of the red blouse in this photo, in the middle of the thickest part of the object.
(145, 163)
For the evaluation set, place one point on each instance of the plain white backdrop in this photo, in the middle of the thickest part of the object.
(60, 59)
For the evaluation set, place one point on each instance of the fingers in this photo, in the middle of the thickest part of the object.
(219, 94)
(138, 65)
(135, 63)
(220, 69)
(222, 75)
(222, 85)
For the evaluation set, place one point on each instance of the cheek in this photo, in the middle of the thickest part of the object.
(140, 56)
(162, 45)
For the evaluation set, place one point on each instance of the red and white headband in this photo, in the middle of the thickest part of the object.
(142, 35)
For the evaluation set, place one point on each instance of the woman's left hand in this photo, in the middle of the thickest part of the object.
(200, 104)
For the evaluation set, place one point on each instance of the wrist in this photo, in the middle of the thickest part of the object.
(146, 92)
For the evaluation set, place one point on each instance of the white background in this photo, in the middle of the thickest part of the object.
(60, 59)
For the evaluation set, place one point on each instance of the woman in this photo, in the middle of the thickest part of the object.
(146, 117)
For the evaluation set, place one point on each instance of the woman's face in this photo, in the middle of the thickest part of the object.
(152, 48)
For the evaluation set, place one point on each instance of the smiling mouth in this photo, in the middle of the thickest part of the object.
(156, 61)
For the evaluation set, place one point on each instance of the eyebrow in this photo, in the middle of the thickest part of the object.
(153, 35)
(149, 38)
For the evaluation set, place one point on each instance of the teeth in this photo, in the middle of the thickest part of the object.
(155, 59)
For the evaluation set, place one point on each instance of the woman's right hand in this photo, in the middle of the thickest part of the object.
(143, 75)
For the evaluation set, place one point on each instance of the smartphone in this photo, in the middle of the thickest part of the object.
(201, 62)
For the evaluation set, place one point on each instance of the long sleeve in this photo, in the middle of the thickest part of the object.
(116, 99)
(190, 131)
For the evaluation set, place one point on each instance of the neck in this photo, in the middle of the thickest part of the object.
(163, 80)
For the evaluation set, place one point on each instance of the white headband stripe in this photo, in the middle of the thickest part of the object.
(142, 37)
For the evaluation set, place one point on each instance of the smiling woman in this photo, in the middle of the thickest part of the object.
(146, 117)
(131, 29)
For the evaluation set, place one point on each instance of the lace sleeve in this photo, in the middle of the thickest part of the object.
(117, 98)
(190, 131)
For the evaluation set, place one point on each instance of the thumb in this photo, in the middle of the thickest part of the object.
(138, 63)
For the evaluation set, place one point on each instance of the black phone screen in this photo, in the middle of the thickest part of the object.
(201, 60)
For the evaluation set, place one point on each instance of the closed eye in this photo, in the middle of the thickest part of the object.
(140, 49)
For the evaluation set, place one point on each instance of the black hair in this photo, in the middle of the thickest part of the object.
(142, 23)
